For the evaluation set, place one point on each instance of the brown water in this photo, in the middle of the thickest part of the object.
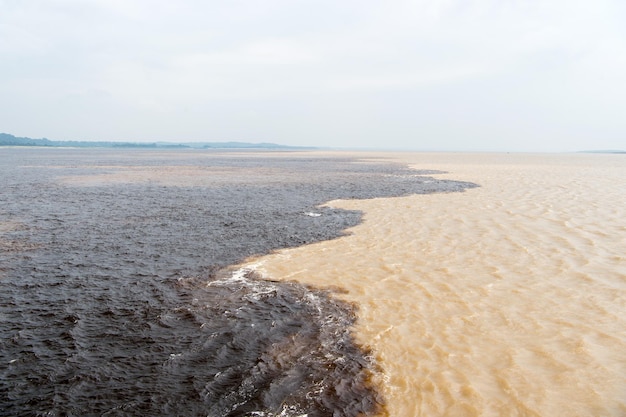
(504, 300)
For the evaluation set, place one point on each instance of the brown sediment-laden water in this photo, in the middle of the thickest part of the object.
(119, 294)
(506, 300)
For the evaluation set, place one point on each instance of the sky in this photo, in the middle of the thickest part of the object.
(433, 75)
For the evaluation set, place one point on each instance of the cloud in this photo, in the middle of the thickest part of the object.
(472, 68)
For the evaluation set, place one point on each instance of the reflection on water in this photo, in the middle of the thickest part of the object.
(505, 300)
(114, 299)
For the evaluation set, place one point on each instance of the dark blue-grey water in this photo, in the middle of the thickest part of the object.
(115, 293)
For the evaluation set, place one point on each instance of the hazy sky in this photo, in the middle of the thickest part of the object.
(518, 75)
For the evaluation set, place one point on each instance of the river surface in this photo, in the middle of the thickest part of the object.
(505, 300)
(120, 294)
(130, 284)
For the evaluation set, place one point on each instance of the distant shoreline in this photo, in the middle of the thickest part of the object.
(10, 140)
(605, 151)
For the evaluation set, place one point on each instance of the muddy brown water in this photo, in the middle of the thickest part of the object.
(508, 299)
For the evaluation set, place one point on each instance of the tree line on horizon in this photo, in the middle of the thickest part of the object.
(10, 140)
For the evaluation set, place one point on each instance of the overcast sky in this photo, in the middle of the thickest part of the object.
(496, 75)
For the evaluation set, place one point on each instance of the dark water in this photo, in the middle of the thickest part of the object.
(114, 299)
